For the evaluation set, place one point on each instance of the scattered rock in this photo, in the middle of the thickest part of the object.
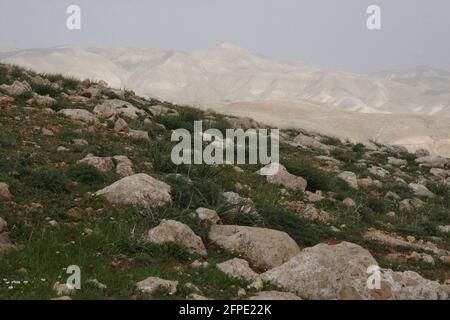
(264, 247)
(240, 269)
(63, 289)
(208, 214)
(421, 191)
(378, 171)
(398, 241)
(393, 196)
(97, 284)
(3, 225)
(17, 88)
(80, 142)
(239, 204)
(138, 134)
(341, 272)
(312, 213)
(151, 284)
(80, 115)
(120, 125)
(283, 178)
(397, 162)
(314, 197)
(39, 100)
(4, 191)
(306, 141)
(159, 110)
(103, 164)
(441, 173)
(433, 162)
(179, 233)
(116, 107)
(349, 202)
(350, 178)
(139, 189)
(444, 229)
(124, 167)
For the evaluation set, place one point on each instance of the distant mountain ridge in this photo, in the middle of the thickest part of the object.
(227, 74)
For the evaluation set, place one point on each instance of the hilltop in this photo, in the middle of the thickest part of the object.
(86, 179)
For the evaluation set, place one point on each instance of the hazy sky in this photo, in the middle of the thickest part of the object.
(327, 33)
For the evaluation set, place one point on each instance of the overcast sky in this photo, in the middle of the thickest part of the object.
(326, 33)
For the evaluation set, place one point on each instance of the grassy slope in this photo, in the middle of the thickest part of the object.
(114, 253)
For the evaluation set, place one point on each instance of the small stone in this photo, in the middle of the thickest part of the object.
(97, 284)
(4, 191)
(208, 214)
(63, 289)
(151, 284)
(349, 202)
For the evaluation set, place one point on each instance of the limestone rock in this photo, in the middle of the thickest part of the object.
(341, 272)
(350, 178)
(433, 161)
(397, 162)
(139, 189)
(4, 191)
(239, 269)
(17, 88)
(138, 134)
(265, 247)
(421, 191)
(151, 284)
(79, 115)
(120, 125)
(208, 214)
(3, 224)
(103, 164)
(116, 107)
(239, 204)
(283, 178)
(378, 171)
(159, 110)
(124, 167)
(179, 233)
(306, 141)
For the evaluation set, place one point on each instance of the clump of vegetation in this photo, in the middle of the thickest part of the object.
(196, 193)
(8, 140)
(85, 173)
(50, 179)
(317, 178)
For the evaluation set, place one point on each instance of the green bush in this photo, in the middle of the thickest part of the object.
(85, 173)
(317, 178)
(50, 179)
(195, 194)
(8, 140)
(44, 90)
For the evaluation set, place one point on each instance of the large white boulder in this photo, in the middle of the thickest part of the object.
(264, 247)
(342, 272)
(139, 189)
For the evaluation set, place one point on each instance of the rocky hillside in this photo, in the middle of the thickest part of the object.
(86, 180)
